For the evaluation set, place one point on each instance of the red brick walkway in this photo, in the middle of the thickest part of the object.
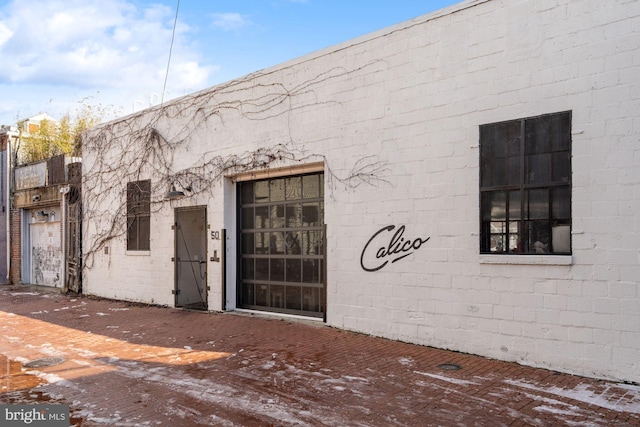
(133, 365)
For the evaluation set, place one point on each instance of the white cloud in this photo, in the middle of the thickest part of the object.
(89, 45)
(229, 21)
(5, 34)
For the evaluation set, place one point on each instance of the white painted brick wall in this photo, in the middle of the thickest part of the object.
(413, 97)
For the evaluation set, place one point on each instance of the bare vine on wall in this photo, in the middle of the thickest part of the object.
(145, 145)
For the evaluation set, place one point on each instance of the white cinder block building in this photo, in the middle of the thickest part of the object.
(469, 180)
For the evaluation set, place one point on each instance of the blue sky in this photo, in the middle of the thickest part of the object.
(56, 54)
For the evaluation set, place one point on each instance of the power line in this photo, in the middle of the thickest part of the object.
(173, 36)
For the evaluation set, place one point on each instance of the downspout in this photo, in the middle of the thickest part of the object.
(9, 196)
(64, 190)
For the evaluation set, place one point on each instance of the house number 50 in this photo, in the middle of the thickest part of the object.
(215, 235)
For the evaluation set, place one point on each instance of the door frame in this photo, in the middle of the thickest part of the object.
(176, 289)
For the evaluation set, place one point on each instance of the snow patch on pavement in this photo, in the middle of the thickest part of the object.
(447, 379)
(628, 402)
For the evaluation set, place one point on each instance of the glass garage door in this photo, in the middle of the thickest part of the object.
(282, 245)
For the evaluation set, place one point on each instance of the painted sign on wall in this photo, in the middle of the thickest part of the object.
(31, 176)
(387, 245)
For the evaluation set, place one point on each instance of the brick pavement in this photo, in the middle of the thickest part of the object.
(134, 365)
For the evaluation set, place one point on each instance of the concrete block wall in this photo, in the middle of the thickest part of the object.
(395, 116)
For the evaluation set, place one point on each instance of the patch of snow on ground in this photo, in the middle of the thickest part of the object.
(53, 379)
(447, 379)
(583, 393)
(269, 364)
(406, 361)
(49, 350)
(247, 401)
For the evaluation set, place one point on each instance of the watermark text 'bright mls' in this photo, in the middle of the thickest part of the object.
(34, 415)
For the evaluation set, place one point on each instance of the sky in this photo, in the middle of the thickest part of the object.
(60, 56)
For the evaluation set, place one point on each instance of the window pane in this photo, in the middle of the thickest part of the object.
(499, 153)
(497, 243)
(493, 171)
(262, 269)
(247, 293)
(262, 295)
(276, 244)
(538, 237)
(514, 237)
(145, 196)
(277, 190)
(132, 233)
(294, 215)
(277, 296)
(294, 297)
(312, 243)
(138, 197)
(310, 215)
(494, 206)
(561, 131)
(277, 269)
(248, 243)
(538, 168)
(537, 135)
(538, 204)
(277, 216)
(262, 217)
(493, 141)
(294, 188)
(144, 233)
(293, 270)
(513, 170)
(247, 269)
(311, 186)
(262, 243)
(311, 299)
(246, 192)
(514, 205)
(311, 271)
(561, 203)
(261, 189)
(247, 218)
(292, 242)
(561, 239)
(561, 166)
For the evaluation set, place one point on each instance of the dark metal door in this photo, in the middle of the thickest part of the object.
(191, 258)
(73, 242)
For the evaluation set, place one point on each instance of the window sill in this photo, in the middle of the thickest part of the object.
(138, 253)
(527, 259)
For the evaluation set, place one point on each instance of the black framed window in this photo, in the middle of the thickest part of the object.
(525, 186)
(138, 215)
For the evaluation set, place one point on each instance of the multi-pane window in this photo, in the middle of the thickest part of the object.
(525, 186)
(138, 215)
(282, 245)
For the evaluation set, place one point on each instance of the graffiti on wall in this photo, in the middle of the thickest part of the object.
(46, 264)
(46, 253)
(388, 246)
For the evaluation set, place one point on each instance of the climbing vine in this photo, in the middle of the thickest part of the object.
(151, 144)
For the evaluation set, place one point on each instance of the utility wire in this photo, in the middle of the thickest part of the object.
(173, 36)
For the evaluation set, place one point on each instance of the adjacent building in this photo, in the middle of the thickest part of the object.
(40, 216)
(469, 180)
